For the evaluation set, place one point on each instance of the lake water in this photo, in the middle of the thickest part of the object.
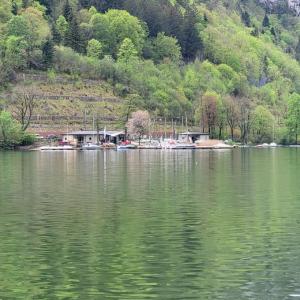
(146, 224)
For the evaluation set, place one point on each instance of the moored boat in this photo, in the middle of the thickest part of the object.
(57, 148)
(126, 147)
(90, 146)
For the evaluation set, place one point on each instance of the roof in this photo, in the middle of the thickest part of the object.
(94, 132)
(193, 133)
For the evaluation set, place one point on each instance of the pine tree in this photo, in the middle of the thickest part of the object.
(14, 7)
(55, 35)
(297, 51)
(190, 41)
(48, 53)
(48, 4)
(246, 19)
(266, 21)
(73, 36)
(68, 12)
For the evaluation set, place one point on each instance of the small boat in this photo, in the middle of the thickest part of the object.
(265, 145)
(174, 145)
(181, 146)
(126, 147)
(150, 145)
(90, 146)
(57, 148)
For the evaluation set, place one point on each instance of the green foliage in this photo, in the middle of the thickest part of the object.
(28, 139)
(73, 36)
(11, 133)
(5, 11)
(113, 27)
(165, 47)
(48, 53)
(16, 52)
(62, 26)
(263, 124)
(293, 116)
(127, 51)
(94, 49)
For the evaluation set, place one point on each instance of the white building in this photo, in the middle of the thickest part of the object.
(78, 138)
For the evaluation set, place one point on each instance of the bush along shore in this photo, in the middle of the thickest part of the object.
(11, 133)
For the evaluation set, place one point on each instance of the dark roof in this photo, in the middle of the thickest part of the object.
(94, 132)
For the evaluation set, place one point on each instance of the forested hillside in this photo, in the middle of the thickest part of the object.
(230, 67)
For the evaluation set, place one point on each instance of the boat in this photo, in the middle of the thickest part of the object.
(175, 145)
(212, 145)
(90, 146)
(265, 145)
(182, 146)
(150, 145)
(126, 147)
(57, 148)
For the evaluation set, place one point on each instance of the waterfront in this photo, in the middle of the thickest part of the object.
(150, 224)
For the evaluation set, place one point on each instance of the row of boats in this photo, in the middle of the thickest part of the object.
(153, 144)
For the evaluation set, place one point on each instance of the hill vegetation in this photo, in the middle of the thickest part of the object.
(229, 67)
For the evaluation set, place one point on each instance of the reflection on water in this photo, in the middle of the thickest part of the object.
(150, 225)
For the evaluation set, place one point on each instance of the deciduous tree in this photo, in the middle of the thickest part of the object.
(139, 123)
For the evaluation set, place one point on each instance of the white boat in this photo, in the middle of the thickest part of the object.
(174, 145)
(56, 148)
(150, 145)
(265, 145)
(90, 146)
(126, 147)
(273, 145)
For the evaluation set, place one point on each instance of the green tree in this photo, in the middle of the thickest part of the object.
(16, 52)
(18, 26)
(122, 25)
(68, 11)
(246, 18)
(10, 131)
(5, 10)
(48, 53)
(127, 51)
(266, 21)
(14, 8)
(293, 116)
(297, 50)
(73, 38)
(94, 49)
(263, 124)
(39, 29)
(62, 26)
(166, 47)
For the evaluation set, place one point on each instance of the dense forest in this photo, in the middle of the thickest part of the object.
(230, 67)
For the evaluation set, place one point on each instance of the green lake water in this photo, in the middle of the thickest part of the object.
(146, 224)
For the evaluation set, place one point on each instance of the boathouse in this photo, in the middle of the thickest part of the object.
(80, 137)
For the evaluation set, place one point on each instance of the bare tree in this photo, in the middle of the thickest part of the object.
(24, 102)
(209, 112)
(245, 118)
(232, 116)
(139, 123)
